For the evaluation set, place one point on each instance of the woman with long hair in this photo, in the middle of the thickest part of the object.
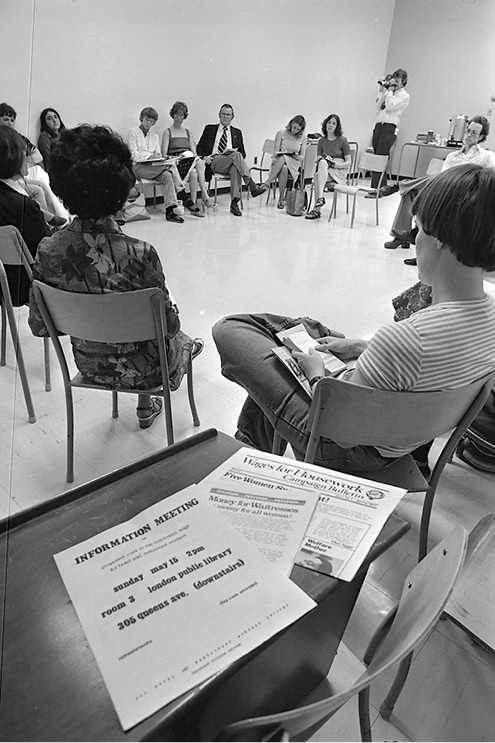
(333, 159)
(288, 155)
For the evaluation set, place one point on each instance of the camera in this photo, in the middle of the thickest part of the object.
(386, 81)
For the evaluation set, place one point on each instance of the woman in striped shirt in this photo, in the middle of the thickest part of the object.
(447, 345)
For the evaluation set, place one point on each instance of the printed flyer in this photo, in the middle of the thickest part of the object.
(171, 597)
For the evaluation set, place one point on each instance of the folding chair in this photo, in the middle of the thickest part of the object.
(267, 150)
(15, 252)
(119, 317)
(424, 595)
(350, 175)
(350, 414)
(368, 162)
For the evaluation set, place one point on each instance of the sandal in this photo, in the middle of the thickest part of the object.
(320, 202)
(150, 412)
(195, 211)
(313, 214)
(198, 345)
(281, 204)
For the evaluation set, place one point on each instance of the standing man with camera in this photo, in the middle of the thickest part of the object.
(392, 101)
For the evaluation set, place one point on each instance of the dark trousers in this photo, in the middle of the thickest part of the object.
(382, 141)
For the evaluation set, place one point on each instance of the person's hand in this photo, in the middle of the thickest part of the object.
(311, 363)
(208, 159)
(345, 348)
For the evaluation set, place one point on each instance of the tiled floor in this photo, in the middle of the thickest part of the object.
(268, 261)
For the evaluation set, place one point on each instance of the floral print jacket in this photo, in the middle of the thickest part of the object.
(94, 256)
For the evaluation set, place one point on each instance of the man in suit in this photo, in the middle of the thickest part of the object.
(222, 148)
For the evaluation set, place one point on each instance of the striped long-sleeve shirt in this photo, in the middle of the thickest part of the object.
(444, 346)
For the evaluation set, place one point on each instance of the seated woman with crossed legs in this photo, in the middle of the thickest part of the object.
(91, 171)
(288, 156)
(447, 345)
(176, 140)
(333, 160)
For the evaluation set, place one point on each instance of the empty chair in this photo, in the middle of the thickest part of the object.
(424, 595)
(434, 166)
(119, 317)
(368, 162)
(264, 165)
(14, 252)
(351, 415)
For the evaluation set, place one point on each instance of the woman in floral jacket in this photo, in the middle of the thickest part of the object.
(91, 171)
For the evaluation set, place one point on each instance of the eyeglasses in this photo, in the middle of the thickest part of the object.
(224, 113)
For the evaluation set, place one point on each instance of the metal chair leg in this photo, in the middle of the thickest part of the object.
(20, 364)
(3, 339)
(46, 353)
(190, 393)
(387, 706)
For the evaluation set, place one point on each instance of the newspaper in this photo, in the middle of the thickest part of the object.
(172, 596)
(349, 515)
(273, 518)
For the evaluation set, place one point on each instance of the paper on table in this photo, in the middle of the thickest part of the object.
(273, 518)
(170, 597)
(350, 513)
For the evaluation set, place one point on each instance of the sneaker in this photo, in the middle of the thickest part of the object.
(147, 415)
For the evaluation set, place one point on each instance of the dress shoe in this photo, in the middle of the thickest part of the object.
(389, 190)
(469, 453)
(234, 209)
(411, 262)
(172, 217)
(371, 195)
(256, 190)
(396, 243)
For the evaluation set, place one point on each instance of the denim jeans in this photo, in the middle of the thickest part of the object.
(275, 399)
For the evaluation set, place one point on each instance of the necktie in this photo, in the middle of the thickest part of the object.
(223, 141)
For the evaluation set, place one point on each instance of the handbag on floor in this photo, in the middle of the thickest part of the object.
(295, 201)
(135, 209)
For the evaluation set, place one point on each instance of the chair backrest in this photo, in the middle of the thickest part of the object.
(426, 591)
(372, 162)
(309, 164)
(351, 414)
(354, 156)
(13, 249)
(118, 317)
(267, 149)
(434, 166)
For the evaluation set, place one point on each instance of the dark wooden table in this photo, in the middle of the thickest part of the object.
(50, 684)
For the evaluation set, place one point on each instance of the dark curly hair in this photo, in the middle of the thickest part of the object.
(43, 125)
(12, 151)
(457, 207)
(485, 126)
(91, 171)
(178, 107)
(7, 110)
(338, 128)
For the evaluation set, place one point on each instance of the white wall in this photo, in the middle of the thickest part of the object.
(448, 49)
(102, 61)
